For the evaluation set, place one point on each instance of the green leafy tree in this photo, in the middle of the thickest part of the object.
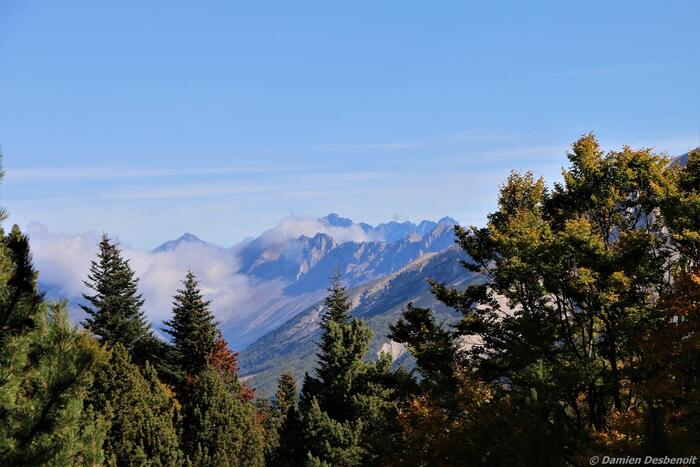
(572, 291)
(139, 412)
(114, 310)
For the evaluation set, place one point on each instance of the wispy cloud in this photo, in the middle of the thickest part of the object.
(531, 154)
(609, 70)
(292, 227)
(187, 191)
(365, 147)
(476, 135)
(287, 185)
(109, 173)
(461, 136)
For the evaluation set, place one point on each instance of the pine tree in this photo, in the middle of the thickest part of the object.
(45, 376)
(218, 428)
(114, 311)
(139, 412)
(285, 425)
(192, 328)
(45, 370)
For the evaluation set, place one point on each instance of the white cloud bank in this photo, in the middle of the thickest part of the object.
(63, 261)
(292, 227)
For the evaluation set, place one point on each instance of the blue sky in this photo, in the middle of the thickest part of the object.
(149, 119)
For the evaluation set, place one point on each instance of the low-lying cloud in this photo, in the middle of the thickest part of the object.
(63, 261)
(292, 227)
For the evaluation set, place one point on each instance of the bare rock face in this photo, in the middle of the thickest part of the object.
(296, 272)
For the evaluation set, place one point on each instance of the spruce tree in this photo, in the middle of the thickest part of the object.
(343, 399)
(192, 328)
(219, 428)
(114, 310)
(336, 303)
(285, 425)
(343, 345)
(139, 412)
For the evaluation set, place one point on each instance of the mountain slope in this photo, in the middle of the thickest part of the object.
(294, 274)
(292, 345)
(186, 238)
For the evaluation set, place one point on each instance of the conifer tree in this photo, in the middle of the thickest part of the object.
(346, 395)
(218, 428)
(336, 302)
(343, 345)
(114, 310)
(45, 370)
(192, 328)
(139, 412)
(224, 360)
(285, 425)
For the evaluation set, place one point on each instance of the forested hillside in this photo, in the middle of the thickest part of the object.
(564, 328)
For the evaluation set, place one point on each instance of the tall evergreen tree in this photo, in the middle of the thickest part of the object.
(284, 442)
(343, 345)
(336, 303)
(339, 404)
(139, 412)
(219, 428)
(114, 310)
(192, 328)
(219, 424)
(45, 370)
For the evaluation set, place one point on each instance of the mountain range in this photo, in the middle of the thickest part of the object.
(292, 346)
(295, 273)
(268, 291)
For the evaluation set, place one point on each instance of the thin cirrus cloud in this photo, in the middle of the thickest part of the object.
(475, 135)
(391, 146)
(106, 173)
(488, 136)
(291, 186)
